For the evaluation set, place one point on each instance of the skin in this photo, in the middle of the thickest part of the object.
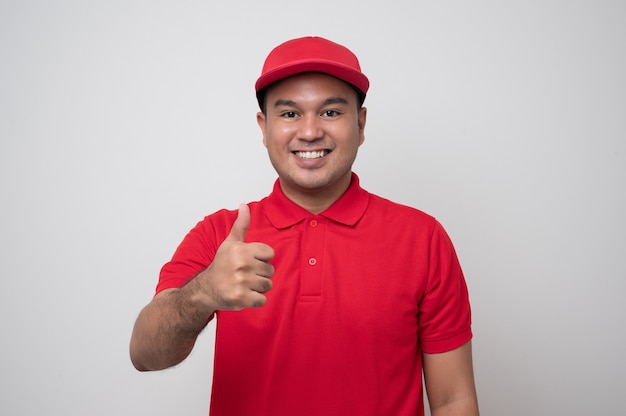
(449, 380)
(312, 128)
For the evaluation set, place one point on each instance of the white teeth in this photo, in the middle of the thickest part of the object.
(312, 155)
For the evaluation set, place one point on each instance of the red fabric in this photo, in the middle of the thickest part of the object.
(312, 54)
(360, 291)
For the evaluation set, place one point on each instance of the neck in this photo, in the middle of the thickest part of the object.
(316, 200)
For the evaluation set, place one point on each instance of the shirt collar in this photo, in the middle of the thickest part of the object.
(347, 210)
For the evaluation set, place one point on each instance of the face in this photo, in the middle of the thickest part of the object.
(312, 129)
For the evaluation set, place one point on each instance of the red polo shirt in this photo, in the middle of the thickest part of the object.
(360, 291)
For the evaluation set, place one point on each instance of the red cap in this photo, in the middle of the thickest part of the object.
(316, 54)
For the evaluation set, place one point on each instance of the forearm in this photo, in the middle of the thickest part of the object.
(449, 379)
(462, 407)
(166, 330)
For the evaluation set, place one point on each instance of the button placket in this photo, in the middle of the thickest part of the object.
(312, 252)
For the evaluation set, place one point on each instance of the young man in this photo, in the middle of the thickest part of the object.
(329, 300)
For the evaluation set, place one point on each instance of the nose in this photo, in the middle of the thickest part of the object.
(310, 128)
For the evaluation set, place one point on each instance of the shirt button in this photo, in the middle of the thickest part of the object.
(313, 223)
(312, 261)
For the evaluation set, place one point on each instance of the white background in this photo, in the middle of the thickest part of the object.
(123, 123)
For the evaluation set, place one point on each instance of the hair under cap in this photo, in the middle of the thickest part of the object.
(312, 54)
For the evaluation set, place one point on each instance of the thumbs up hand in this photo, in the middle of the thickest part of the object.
(240, 273)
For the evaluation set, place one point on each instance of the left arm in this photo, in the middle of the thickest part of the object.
(449, 378)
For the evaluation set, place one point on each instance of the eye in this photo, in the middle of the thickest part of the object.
(289, 114)
(330, 113)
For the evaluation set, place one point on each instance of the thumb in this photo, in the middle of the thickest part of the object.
(241, 224)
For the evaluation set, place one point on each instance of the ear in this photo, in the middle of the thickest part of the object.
(262, 122)
(362, 117)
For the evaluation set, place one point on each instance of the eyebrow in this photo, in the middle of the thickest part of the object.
(282, 102)
(329, 101)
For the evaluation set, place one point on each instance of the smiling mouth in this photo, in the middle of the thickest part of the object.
(312, 155)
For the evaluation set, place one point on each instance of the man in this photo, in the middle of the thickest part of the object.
(329, 300)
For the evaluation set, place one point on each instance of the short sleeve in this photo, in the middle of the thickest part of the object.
(444, 310)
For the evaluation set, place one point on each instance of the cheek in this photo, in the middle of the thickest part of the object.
(351, 137)
(276, 147)
(278, 133)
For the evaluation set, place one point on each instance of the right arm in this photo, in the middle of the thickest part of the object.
(167, 328)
